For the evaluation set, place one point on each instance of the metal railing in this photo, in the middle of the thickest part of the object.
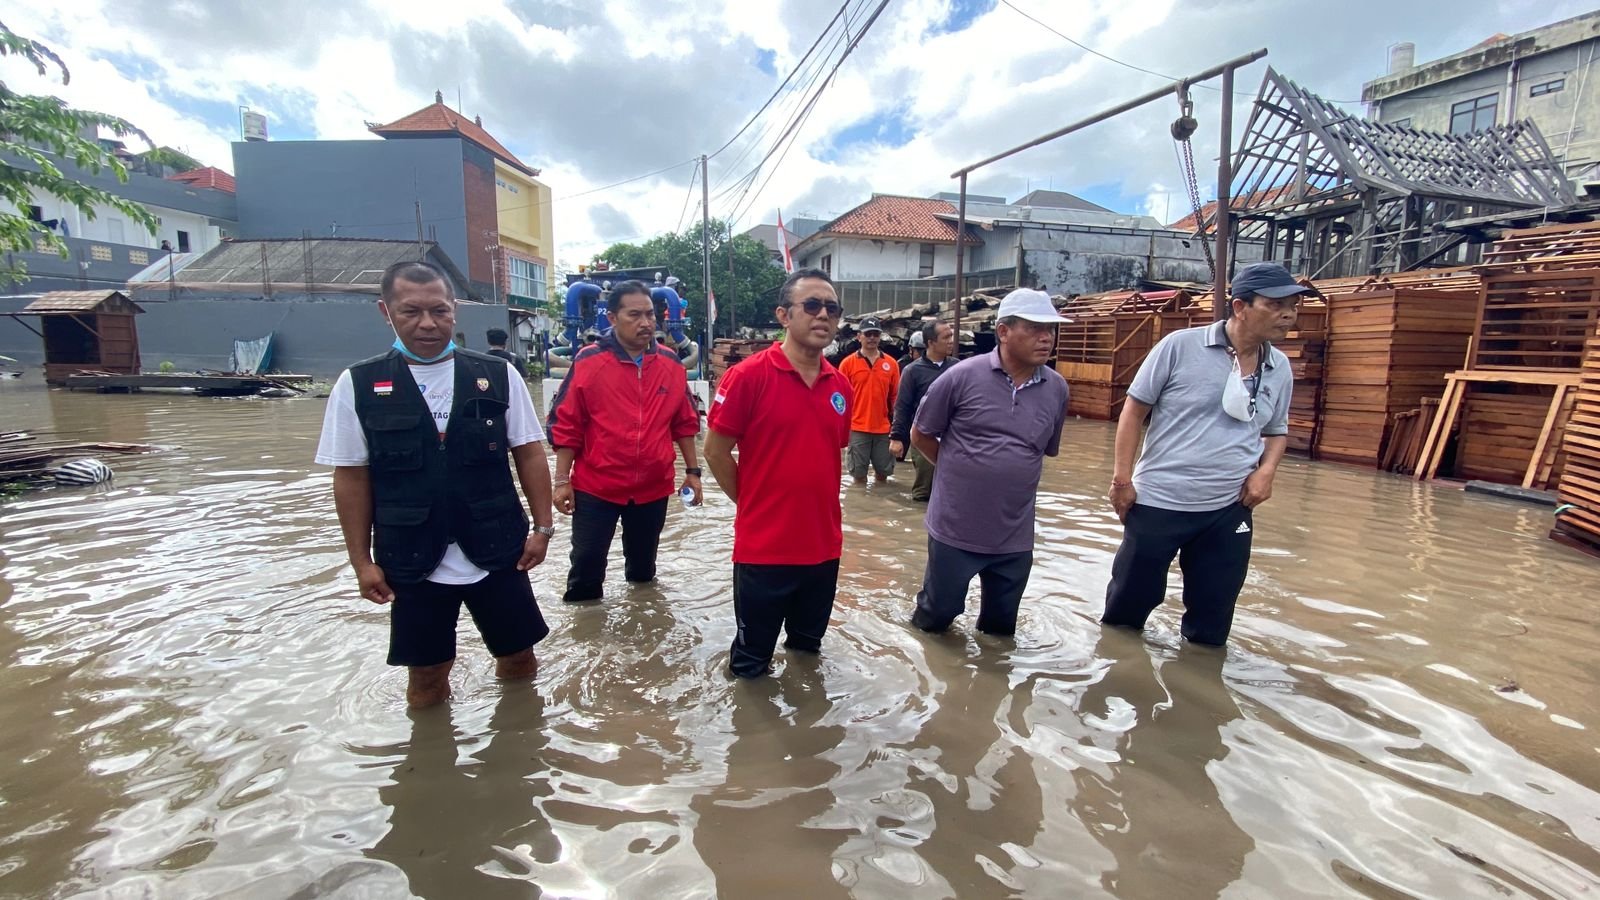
(859, 297)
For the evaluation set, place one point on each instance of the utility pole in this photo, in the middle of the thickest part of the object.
(705, 256)
(1221, 308)
(733, 307)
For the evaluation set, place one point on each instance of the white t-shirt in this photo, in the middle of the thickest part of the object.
(345, 444)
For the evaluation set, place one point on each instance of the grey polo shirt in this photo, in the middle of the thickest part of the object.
(1196, 456)
(993, 437)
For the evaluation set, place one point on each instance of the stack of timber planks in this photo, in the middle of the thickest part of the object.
(1388, 348)
(1578, 522)
(1538, 304)
(1100, 349)
(729, 352)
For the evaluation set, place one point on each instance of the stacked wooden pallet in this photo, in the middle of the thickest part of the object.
(1578, 521)
(1388, 348)
(1109, 335)
(1538, 304)
(728, 352)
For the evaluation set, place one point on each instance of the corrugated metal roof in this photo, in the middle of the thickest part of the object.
(287, 260)
(77, 301)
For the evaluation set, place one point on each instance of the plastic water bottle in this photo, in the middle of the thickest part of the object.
(686, 497)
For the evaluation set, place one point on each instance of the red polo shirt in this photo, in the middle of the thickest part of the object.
(789, 437)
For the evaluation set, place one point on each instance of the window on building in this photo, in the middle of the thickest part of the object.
(183, 242)
(827, 263)
(35, 214)
(1474, 115)
(527, 279)
(1402, 123)
(1555, 86)
(925, 266)
(115, 231)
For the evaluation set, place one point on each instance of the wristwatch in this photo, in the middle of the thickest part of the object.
(692, 470)
(546, 530)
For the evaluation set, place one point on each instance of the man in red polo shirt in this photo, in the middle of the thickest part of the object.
(624, 403)
(788, 411)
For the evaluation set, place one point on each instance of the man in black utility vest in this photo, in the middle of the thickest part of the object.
(419, 437)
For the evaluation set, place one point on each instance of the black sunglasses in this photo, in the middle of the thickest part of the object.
(812, 307)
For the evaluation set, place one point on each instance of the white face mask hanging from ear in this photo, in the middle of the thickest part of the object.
(1236, 399)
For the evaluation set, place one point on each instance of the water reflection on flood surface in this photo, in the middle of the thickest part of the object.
(197, 705)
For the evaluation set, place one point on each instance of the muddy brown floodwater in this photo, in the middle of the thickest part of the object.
(195, 704)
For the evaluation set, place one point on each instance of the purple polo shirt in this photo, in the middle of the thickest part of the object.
(993, 437)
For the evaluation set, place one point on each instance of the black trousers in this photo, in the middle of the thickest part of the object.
(1002, 576)
(1213, 551)
(594, 523)
(766, 599)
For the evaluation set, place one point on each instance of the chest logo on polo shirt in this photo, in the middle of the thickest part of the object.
(886, 365)
(838, 403)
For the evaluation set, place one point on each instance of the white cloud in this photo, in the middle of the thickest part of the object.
(594, 93)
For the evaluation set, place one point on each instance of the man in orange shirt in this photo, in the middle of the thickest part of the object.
(875, 379)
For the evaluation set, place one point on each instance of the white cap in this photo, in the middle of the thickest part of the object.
(1034, 306)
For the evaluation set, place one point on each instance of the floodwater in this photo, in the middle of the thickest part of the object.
(196, 705)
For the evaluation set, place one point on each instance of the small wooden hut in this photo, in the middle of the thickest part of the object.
(85, 331)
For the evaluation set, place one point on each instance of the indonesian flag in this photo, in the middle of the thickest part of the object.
(783, 244)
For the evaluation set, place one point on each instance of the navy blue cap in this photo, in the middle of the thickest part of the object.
(1269, 279)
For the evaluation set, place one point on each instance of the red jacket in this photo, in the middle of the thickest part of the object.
(621, 419)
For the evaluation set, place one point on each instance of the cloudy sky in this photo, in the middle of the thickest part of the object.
(597, 91)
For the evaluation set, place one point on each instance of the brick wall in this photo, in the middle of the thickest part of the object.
(482, 217)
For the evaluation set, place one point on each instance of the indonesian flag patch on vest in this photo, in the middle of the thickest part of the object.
(383, 387)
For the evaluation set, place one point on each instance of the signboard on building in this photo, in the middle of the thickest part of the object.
(254, 125)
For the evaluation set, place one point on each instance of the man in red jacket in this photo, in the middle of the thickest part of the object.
(623, 404)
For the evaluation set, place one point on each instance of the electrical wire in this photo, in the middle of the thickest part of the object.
(693, 177)
(814, 44)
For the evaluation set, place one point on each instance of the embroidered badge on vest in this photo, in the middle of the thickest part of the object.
(383, 388)
(483, 384)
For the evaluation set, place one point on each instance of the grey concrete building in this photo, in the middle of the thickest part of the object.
(359, 189)
(1541, 75)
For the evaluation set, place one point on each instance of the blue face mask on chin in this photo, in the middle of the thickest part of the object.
(401, 346)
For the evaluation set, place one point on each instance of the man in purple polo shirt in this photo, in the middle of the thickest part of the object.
(987, 424)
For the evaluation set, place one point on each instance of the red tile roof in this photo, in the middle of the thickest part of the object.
(1252, 201)
(438, 119)
(898, 219)
(208, 177)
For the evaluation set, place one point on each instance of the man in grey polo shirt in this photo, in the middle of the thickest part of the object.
(986, 425)
(1218, 401)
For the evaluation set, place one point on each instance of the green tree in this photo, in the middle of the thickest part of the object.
(746, 299)
(36, 134)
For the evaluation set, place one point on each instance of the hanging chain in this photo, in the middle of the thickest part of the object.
(1192, 182)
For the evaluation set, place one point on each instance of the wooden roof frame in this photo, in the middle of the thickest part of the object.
(1324, 157)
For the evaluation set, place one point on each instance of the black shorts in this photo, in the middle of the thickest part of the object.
(422, 621)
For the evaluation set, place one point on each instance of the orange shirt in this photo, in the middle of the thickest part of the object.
(875, 385)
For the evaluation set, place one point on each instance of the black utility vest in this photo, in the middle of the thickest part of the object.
(429, 490)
